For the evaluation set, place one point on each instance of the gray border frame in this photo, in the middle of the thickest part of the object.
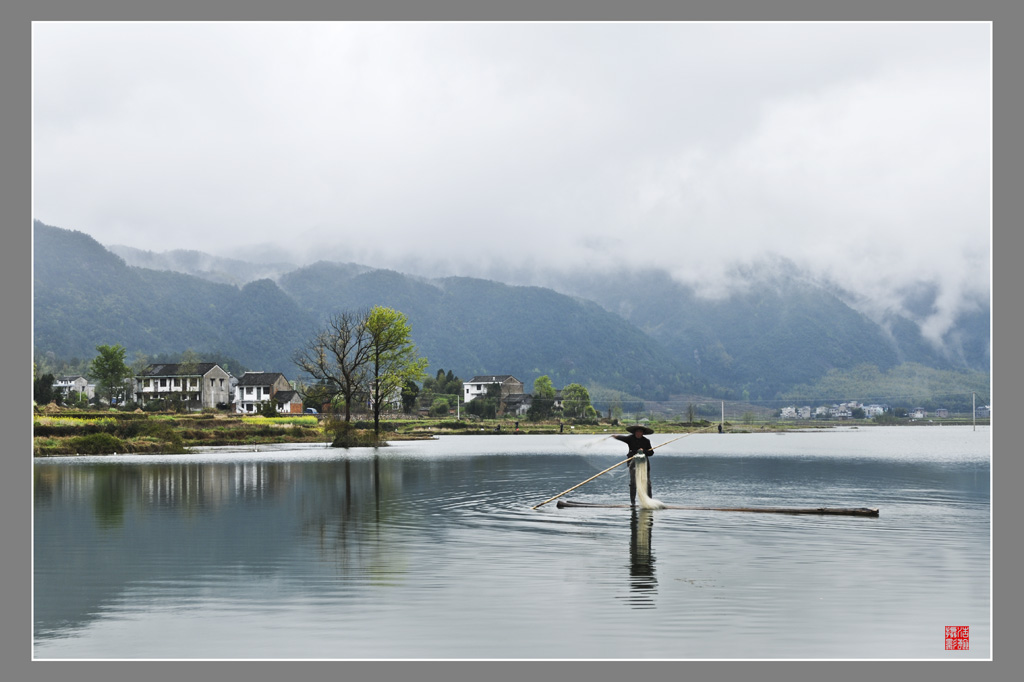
(15, 194)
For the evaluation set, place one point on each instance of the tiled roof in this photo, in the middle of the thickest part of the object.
(259, 378)
(490, 379)
(174, 369)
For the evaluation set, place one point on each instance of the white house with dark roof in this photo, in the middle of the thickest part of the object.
(255, 388)
(75, 385)
(478, 385)
(288, 402)
(199, 385)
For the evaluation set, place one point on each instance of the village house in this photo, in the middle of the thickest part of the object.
(519, 404)
(198, 385)
(793, 412)
(288, 402)
(256, 388)
(840, 412)
(75, 386)
(478, 386)
(874, 410)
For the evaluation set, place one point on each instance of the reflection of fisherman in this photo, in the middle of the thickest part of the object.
(637, 442)
(641, 559)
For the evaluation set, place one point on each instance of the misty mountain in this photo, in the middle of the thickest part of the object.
(85, 295)
(475, 326)
(646, 335)
(208, 267)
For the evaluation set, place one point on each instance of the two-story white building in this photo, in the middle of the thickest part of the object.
(256, 388)
(478, 386)
(199, 384)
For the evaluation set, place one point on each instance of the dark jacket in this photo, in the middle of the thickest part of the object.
(636, 444)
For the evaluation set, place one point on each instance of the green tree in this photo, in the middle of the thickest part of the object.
(575, 401)
(109, 371)
(268, 408)
(43, 392)
(616, 409)
(543, 401)
(410, 392)
(440, 407)
(393, 358)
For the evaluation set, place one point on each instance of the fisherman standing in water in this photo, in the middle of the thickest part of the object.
(637, 442)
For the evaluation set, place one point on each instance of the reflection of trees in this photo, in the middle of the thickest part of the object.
(100, 527)
(355, 512)
(642, 581)
(108, 496)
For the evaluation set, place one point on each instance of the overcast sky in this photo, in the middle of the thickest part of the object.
(860, 151)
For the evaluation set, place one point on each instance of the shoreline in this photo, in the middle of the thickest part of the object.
(58, 433)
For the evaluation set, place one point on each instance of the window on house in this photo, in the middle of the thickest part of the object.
(248, 390)
(177, 383)
(266, 390)
(163, 383)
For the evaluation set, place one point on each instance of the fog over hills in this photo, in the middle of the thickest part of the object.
(645, 335)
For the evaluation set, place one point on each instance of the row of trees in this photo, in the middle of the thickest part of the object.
(575, 401)
(108, 370)
(357, 356)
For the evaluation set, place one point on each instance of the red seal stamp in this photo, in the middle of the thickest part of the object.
(958, 638)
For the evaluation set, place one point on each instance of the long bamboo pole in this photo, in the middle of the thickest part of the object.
(610, 468)
(578, 485)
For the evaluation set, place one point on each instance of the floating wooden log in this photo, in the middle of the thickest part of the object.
(833, 511)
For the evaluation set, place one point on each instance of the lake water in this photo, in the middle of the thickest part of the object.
(430, 550)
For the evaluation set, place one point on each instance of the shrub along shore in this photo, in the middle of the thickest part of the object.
(61, 432)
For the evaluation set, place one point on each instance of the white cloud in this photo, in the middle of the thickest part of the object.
(861, 151)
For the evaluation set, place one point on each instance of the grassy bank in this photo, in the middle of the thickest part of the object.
(59, 432)
(103, 433)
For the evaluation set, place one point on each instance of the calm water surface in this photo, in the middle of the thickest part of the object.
(430, 550)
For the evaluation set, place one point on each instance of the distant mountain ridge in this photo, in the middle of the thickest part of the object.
(646, 336)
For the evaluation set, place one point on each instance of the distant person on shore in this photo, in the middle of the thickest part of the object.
(637, 441)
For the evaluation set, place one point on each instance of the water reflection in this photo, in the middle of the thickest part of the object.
(431, 550)
(643, 584)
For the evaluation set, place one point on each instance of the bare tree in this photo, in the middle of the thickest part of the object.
(338, 355)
